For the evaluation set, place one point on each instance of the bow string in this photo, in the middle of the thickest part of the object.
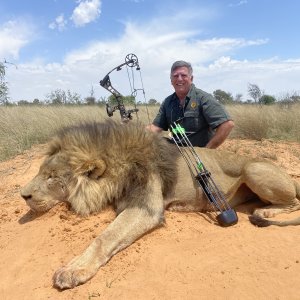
(131, 61)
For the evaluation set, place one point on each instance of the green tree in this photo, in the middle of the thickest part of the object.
(23, 102)
(36, 101)
(153, 102)
(223, 97)
(127, 100)
(266, 99)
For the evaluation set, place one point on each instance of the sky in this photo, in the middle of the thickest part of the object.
(72, 44)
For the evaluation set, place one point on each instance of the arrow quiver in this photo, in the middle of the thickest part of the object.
(225, 215)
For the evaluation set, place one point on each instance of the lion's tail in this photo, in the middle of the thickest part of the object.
(262, 222)
(297, 186)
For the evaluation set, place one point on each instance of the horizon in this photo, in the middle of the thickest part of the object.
(72, 45)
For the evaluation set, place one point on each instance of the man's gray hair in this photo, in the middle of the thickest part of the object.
(182, 63)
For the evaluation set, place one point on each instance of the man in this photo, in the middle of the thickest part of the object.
(206, 122)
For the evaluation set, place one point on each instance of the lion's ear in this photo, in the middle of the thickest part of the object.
(93, 168)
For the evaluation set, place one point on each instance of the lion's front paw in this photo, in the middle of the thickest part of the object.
(70, 277)
(265, 213)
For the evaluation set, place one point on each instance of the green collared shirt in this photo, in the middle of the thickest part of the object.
(201, 114)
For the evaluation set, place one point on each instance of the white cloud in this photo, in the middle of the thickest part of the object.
(14, 35)
(273, 75)
(60, 23)
(214, 67)
(242, 2)
(86, 12)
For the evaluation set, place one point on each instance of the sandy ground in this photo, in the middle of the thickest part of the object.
(188, 258)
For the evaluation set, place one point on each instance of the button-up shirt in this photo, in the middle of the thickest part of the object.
(200, 114)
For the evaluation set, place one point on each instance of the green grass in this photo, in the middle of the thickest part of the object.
(21, 127)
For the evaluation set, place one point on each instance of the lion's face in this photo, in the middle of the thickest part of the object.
(50, 185)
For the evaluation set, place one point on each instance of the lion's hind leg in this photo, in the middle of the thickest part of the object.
(134, 221)
(272, 186)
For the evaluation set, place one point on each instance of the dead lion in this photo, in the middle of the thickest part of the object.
(94, 165)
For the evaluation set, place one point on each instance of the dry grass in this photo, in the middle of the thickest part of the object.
(21, 127)
(266, 122)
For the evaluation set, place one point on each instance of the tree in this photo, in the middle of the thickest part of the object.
(102, 101)
(91, 100)
(223, 97)
(59, 97)
(36, 101)
(153, 102)
(3, 86)
(254, 92)
(2, 70)
(23, 102)
(266, 99)
(238, 98)
(73, 98)
(127, 100)
(289, 99)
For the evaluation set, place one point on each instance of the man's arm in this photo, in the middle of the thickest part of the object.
(153, 128)
(160, 120)
(221, 134)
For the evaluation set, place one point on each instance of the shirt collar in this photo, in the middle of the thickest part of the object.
(188, 96)
(191, 92)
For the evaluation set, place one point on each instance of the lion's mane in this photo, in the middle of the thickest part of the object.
(124, 157)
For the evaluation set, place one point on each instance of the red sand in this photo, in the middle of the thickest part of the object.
(188, 258)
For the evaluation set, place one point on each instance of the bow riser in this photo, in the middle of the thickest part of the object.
(131, 61)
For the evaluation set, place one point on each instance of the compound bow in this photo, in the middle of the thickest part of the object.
(131, 61)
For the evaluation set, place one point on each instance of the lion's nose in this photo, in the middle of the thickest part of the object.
(25, 196)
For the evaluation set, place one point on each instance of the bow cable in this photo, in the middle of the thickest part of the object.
(131, 61)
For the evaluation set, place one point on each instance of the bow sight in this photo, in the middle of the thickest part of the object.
(131, 61)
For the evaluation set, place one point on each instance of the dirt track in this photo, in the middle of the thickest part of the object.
(188, 258)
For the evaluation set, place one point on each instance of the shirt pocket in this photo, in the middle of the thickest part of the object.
(192, 121)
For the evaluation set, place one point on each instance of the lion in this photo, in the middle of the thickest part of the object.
(140, 174)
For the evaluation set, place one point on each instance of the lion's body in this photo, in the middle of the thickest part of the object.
(140, 174)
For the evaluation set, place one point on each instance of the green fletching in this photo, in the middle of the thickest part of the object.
(200, 166)
(180, 129)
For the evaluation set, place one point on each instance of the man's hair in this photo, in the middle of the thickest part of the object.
(181, 63)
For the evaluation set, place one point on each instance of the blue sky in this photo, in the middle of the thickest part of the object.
(72, 44)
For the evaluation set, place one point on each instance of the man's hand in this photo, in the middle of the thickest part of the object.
(153, 128)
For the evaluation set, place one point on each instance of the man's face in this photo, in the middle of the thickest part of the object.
(181, 81)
